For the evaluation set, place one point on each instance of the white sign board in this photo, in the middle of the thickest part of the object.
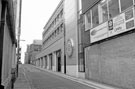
(118, 25)
(98, 33)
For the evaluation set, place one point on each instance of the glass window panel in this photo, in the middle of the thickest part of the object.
(95, 17)
(81, 62)
(103, 11)
(82, 19)
(113, 8)
(61, 13)
(126, 4)
(87, 20)
(58, 30)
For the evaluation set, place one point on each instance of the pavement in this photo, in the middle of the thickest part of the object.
(22, 81)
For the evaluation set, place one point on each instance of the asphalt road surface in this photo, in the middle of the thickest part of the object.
(39, 79)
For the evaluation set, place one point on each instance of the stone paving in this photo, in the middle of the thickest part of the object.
(22, 81)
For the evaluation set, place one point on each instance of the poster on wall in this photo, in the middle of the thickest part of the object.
(69, 49)
(110, 25)
(118, 25)
(98, 33)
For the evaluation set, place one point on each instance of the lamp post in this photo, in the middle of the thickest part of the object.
(18, 36)
(18, 53)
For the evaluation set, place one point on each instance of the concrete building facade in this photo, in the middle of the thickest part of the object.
(52, 54)
(8, 60)
(60, 40)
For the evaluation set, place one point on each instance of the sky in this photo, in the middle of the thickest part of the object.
(35, 14)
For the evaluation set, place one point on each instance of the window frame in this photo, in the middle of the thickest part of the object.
(93, 14)
(85, 16)
(101, 19)
(100, 22)
(81, 62)
(127, 7)
(118, 8)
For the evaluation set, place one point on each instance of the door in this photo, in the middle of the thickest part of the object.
(58, 53)
(59, 64)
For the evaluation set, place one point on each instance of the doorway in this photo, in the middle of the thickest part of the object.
(65, 64)
(51, 61)
(58, 53)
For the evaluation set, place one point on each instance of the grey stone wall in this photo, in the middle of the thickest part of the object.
(113, 62)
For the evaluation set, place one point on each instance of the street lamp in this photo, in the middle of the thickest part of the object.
(19, 10)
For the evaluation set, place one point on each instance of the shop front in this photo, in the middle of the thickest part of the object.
(111, 54)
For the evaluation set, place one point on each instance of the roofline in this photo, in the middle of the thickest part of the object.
(53, 13)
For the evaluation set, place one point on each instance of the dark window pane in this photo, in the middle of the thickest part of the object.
(95, 17)
(103, 15)
(126, 4)
(87, 20)
(113, 8)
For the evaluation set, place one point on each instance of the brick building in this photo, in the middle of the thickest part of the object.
(32, 50)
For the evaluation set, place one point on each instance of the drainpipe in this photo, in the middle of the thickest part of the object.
(64, 48)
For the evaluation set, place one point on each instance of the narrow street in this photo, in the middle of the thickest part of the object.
(39, 79)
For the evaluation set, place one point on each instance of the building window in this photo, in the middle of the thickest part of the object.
(58, 17)
(35, 49)
(80, 48)
(95, 17)
(42, 62)
(43, 34)
(58, 30)
(88, 20)
(82, 20)
(51, 36)
(113, 8)
(62, 27)
(52, 23)
(51, 60)
(126, 4)
(81, 62)
(55, 21)
(103, 11)
(55, 33)
(45, 61)
(61, 13)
